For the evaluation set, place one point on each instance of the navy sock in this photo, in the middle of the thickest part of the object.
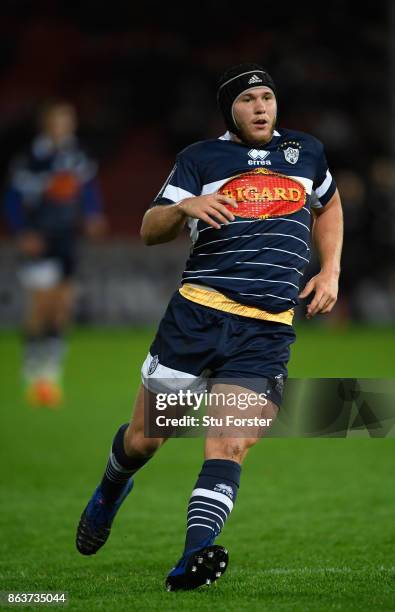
(119, 468)
(211, 501)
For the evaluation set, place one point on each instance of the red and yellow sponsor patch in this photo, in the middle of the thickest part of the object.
(63, 186)
(261, 194)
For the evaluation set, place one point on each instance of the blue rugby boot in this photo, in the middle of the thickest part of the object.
(197, 567)
(96, 520)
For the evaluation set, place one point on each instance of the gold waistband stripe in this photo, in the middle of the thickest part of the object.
(217, 300)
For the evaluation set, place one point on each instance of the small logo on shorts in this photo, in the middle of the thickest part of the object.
(224, 488)
(153, 365)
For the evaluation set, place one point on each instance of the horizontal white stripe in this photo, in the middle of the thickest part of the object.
(194, 271)
(166, 380)
(306, 182)
(252, 236)
(232, 223)
(176, 193)
(267, 294)
(243, 74)
(224, 252)
(250, 280)
(259, 263)
(224, 499)
(205, 518)
(255, 220)
(117, 467)
(200, 525)
(323, 188)
(199, 509)
(165, 371)
(253, 251)
(212, 505)
(284, 251)
(289, 220)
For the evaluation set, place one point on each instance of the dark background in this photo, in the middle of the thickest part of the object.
(143, 79)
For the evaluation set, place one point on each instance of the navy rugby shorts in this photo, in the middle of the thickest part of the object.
(196, 346)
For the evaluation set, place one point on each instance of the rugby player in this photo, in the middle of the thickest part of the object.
(52, 193)
(250, 199)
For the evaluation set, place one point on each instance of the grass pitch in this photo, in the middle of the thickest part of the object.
(313, 528)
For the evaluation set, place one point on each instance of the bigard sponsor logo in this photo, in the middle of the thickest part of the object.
(262, 193)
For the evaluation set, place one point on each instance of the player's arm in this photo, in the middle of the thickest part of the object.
(95, 223)
(163, 223)
(327, 235)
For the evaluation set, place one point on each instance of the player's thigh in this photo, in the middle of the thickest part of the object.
(240, 417)
(62, 300)
(40, 307)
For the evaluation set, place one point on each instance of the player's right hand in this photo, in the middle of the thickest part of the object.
(31, 244)
(209, 208)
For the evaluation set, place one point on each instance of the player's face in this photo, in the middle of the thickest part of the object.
(255, 114)
(60, 122)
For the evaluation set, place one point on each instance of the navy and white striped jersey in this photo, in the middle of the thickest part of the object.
(257, 262)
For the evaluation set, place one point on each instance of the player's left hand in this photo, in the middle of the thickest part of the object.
(325, 286)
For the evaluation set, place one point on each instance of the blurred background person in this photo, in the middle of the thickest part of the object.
(52, 194)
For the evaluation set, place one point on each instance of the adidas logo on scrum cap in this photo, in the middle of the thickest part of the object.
(254, 79)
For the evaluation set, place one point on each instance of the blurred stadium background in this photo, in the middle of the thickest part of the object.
(143, 80)
(315, 518)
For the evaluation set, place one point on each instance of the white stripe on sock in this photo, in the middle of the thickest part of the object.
(214, 495)
(208, 512)
(212, 505)
(200, 525)
(206, 519)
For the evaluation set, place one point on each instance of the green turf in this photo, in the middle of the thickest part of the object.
(313, 528)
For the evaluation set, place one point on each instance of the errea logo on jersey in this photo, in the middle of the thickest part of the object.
(258, 158)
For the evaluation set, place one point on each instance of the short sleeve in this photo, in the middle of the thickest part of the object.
(183, 182)
(324, 185)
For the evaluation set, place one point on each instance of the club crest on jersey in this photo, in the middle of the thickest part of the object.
(261, 194)
(291, 155)
(258, 158)
(291, 150)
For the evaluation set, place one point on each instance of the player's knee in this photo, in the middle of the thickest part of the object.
(136, 443)
(233, 449)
